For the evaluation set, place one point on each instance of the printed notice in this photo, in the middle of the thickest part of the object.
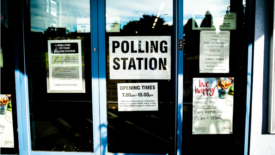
(214, 51)
(213, 105)
(6, 122)
(137, 96)
(112, 25)
(65, 67)
(140, 57)
(229, 22)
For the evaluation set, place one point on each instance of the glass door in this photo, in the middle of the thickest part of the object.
(62, 68)
(137, 101)
(216, 76)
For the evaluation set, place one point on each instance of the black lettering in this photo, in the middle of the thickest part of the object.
(147, 46)
(145, 64)
(163, 49)
(162, 64)
(117, 64)
(115, 45)
(132, 64)
(155, 63)
(139, 47)
(132, 47)
(124, 62)
(154, 47)
(123, 48)
(139, 62)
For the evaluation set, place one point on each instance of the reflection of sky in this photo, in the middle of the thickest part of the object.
(133, 10)
(57, 13)
(197, 8)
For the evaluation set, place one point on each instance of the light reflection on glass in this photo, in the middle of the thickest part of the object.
(212, 12)
(126, 11)
(72, 15)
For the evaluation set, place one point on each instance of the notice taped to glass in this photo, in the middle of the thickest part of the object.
(6, 122)
(140, 57)
(65, 67)
(214, 51)
(137, 96)
(213, 105)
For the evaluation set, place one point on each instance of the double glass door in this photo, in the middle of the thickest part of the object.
(119, 77)
(101, 76)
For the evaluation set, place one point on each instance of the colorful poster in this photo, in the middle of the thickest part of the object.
(65, 67)
(137, 96)
(213, 105)
(214, 51)
(140, 57)
(6, 122)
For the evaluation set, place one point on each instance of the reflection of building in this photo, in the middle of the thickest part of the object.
(208, 20)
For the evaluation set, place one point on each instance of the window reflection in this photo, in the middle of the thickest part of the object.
(125, 14)
(74, 16)
(206, 14)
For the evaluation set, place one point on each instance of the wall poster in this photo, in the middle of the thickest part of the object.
(214, 51)
(137, 96)
(65, 73)
(213, 105)
(6, 122)
(140, 57)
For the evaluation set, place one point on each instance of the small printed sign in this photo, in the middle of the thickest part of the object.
(137, 96)
(214, 51)
(65, 67)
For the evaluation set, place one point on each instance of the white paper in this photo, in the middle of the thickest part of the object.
(212, 107)
(214, 51)
(83, 25)
(145, 57)
(65, 67)
(112, 24)
(229, 21)
(137, 96)
(6, 125)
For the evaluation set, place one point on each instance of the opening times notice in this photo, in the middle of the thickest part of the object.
(214, 51)
(137, 96)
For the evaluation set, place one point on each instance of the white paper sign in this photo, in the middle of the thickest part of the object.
(112, 24)
(229, 22)
(83, 25)
(137, 96)
(214, 51)
(6, 122)
(140, 57)
(212, 105)
(65, 67)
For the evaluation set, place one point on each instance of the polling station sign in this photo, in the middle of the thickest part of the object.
(140, 57)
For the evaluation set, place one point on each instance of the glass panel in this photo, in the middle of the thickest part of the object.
(59, 69)
(8, 114)
(142, 122)
(215, 72)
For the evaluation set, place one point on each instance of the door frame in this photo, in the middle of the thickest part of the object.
(178, 85)
(22, 98)
(97, 20)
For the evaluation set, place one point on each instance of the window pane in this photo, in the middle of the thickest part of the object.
(140, 130)
(215, 72)
(59, 69)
